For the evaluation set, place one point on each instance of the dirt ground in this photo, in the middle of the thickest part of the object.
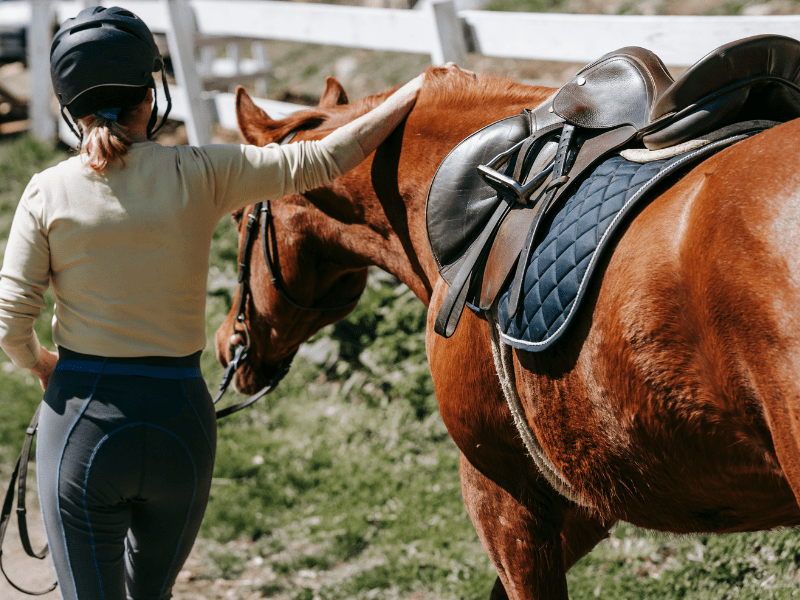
(32, 574)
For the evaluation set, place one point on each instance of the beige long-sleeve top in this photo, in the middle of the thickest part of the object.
(126, 251)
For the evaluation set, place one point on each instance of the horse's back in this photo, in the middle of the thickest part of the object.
(679, 385)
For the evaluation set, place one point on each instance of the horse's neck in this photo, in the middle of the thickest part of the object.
(400, 172)
(392, 235)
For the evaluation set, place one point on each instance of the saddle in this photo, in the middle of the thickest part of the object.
(491, 194)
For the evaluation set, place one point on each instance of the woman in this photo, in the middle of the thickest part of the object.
(122, 233)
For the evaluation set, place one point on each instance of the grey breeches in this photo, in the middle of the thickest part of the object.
(124, 462)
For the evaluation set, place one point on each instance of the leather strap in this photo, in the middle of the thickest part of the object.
(593, 150)
(453, 305)
(272, 266)
(589, 153)
(21, 472)
(564, 146)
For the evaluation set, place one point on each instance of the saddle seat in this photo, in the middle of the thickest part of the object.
(625, 99)
(631, 86)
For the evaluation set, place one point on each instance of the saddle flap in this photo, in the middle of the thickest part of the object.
(620, 88)
(511, 237)
(459, 202)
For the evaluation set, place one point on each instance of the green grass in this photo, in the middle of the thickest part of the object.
(343, 483)
(527, 5)
(348, 462)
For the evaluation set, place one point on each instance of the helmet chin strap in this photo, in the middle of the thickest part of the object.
(76, 130)
(154, 115)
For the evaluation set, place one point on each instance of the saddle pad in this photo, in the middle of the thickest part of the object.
(560, 267)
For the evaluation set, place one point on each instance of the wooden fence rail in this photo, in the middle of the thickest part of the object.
(436, 29)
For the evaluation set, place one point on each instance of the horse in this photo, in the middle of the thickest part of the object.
(672, 403)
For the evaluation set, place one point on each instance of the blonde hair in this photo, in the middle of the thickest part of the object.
(105, 142)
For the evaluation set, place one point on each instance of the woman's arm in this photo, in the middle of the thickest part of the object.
(245, 174)
(274, 171)
(24, 279)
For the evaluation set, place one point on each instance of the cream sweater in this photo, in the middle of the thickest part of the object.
(126, 252)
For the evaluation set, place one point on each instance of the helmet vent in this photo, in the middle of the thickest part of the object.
(125, 13)
(85, 26)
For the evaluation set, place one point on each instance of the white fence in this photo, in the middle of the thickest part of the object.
(437, 29)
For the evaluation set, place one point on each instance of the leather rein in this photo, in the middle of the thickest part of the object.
(261, 214)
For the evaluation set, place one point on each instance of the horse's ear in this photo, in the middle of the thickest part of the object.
(254, 123)
(334, 94)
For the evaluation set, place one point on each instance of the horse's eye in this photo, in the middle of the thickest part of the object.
(236, 216)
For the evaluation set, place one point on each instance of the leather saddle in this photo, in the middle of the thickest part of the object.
(491, 193)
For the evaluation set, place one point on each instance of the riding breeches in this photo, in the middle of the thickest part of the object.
(124, 462)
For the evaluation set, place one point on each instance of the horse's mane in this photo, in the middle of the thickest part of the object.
(447, 90)
(327, 118)
(441, 89)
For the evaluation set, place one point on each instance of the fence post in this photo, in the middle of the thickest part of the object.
(260, 55)
(181, 31)
(39, 37)
(449, 45)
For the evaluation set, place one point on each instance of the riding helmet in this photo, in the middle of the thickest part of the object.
(101, 59)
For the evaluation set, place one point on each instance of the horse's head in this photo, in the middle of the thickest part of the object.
(290, 284)
(321, 243)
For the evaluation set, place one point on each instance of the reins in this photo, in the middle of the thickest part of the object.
(241, 351)
(261, 215)
(21, 471)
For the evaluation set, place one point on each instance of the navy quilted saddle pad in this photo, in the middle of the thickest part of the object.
(560, 267)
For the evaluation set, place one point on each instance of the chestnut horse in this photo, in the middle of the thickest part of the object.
(672, 403)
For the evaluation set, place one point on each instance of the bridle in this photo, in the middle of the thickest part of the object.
(261, 214)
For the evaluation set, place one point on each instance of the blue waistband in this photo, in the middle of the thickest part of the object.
(140, 370)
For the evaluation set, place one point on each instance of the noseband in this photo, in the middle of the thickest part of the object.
(262, 212)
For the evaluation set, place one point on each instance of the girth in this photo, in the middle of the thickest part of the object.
(484, 215)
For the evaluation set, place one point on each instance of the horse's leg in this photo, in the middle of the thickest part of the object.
(523, 543)
(531, 534)
(581, 532)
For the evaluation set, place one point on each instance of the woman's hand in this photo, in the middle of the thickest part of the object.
(452, 69)
(43, 368)
(375, 126)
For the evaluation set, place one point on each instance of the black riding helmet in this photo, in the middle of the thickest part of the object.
(104, 58)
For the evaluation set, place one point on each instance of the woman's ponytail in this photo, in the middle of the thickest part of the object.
(105, 141)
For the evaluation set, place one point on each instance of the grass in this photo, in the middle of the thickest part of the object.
(343, 483)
